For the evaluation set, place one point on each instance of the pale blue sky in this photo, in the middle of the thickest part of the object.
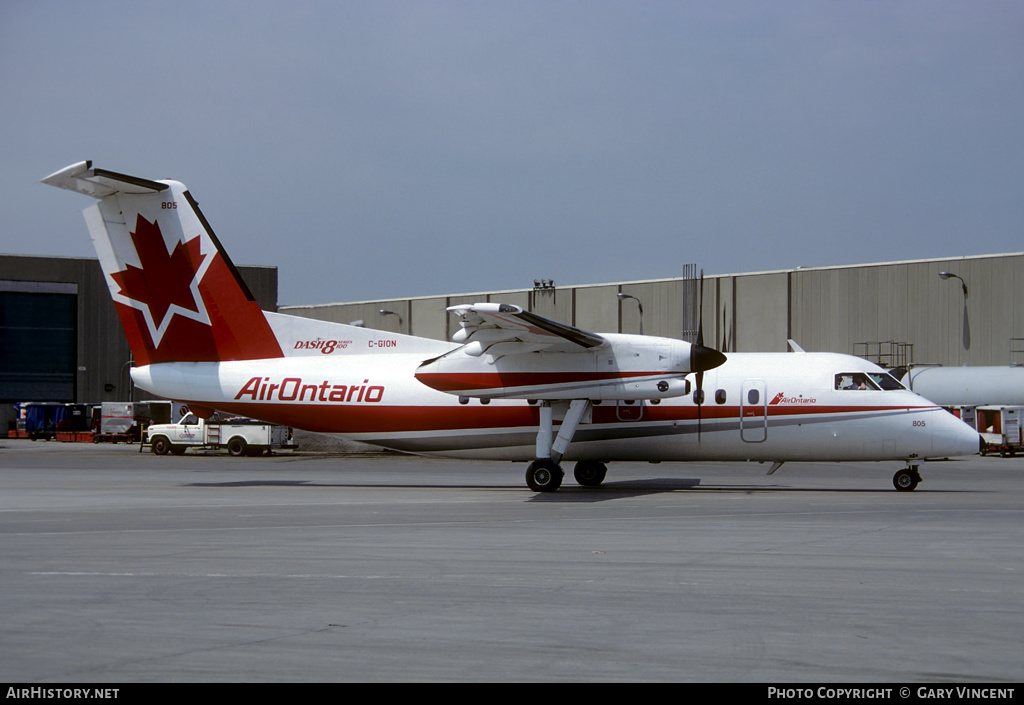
(398, 148)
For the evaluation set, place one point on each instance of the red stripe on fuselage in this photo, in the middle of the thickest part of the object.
(381, 419)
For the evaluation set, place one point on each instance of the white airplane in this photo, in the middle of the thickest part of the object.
(513, 385)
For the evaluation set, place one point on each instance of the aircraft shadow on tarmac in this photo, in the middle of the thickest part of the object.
(609, 490)
(568, 493)
(638, 488)
(266, 483)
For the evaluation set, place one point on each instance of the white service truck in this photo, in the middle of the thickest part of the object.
(239, 436)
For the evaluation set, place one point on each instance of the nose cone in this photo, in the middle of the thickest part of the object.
(955, 437)
(703, 358)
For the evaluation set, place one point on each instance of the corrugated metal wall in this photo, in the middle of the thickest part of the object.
(834, 309)
(861, 309)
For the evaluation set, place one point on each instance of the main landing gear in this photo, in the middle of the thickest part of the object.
(545, 474)
(907, 479)
(590, 473)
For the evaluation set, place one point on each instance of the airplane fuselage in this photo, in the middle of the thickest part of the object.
(772, 407)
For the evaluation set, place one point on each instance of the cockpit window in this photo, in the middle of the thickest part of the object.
(886, 381)
(855, 380)
(867, 380)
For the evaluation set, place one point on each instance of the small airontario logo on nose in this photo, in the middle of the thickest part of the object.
(782, 400)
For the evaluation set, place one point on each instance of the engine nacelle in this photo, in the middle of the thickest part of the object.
(628, 367)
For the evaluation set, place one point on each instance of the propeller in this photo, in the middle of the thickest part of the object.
(702, 358)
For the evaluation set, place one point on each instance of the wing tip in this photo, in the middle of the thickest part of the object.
(65, 178)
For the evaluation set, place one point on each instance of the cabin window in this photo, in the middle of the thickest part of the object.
(720, 396)
(753, 396)
(698, 396)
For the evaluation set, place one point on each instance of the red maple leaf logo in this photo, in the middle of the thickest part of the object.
(164, 280)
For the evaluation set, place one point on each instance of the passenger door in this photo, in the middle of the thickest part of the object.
(753, 411)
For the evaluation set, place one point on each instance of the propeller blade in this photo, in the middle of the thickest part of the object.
(701, 355)
(700, 311)
(700, 401)
(702, 358)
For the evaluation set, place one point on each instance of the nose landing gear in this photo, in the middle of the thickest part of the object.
(907, 479)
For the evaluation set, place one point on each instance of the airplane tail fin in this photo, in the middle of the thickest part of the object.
(179, 297)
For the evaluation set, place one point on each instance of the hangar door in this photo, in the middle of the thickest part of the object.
(37, 346)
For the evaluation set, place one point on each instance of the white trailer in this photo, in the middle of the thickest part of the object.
(967, 386)
(238, 436)
(1000, 428)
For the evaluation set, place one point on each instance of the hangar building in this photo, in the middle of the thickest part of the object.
(60, 337)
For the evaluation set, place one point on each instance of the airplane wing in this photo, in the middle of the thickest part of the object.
(503, 329)
(515, 354)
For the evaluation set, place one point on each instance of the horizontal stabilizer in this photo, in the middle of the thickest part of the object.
(98, 183)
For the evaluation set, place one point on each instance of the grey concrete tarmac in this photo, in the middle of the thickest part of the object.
(123, 567)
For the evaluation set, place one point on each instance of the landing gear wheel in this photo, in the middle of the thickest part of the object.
(544, 476)
(590, 473)
(906, 479)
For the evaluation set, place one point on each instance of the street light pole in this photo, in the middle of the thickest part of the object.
(950, 275)
(622, 297)
(966, 328)
(385, 312)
